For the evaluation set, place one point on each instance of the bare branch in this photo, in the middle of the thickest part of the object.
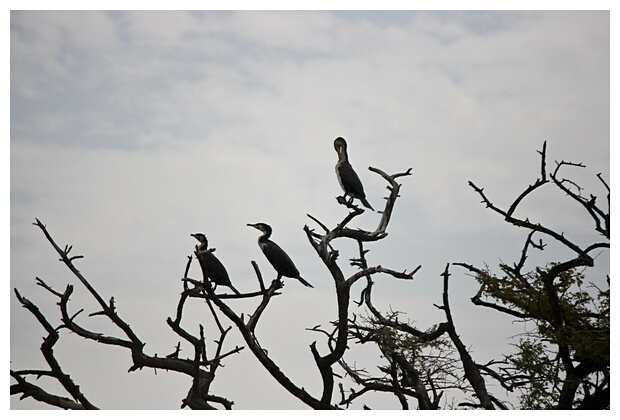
(247, 332)
(48, 353)
(109, 311)
(526, 223)
(601, 226)
(27, 389)
(471, 371)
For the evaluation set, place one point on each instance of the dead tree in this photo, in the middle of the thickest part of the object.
(329, 256)
(200, 368)
(321, 243)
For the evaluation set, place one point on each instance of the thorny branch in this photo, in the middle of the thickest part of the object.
(247, 331)
(338, 340)
(600, 217)
(198, 396)
(322, 245)
(108, 309)
(401, 377)
(78, 401)
(543, 295)
(594, 211)
(409, 372)
(472, 373)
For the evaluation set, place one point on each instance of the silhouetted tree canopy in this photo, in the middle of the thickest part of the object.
(560, 360)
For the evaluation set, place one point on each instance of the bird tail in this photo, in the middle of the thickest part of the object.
(366, 203)
(233, 289)
(305, 283)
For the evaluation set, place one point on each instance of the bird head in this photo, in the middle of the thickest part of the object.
(201, 238)
(340, 145)
(263, 227)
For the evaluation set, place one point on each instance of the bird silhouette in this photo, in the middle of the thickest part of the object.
(276, 255)
(212, 268)
(348, 179)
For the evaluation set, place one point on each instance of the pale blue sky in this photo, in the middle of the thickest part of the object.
(131, 130)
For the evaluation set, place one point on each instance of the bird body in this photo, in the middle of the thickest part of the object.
(212, 268)
(347, 177)
(276, 256)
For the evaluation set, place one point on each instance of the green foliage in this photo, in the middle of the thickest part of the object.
(532, 359)
(546, 353)
(430, 363)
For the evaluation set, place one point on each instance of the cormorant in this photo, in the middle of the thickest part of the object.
(212, 268)
(348, 179)
(276, 255)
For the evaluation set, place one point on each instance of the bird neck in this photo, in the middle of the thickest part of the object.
(342, 156)
(266, 233)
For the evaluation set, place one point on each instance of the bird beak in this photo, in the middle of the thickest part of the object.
(255, 226)
(192, 234)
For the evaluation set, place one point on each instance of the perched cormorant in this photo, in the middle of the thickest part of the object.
(212, 268)
(348, 179)
(276, 255)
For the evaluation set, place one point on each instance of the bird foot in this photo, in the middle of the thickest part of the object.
(348, 203)
(277, 284)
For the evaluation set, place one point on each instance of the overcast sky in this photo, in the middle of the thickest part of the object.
(131, 130)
